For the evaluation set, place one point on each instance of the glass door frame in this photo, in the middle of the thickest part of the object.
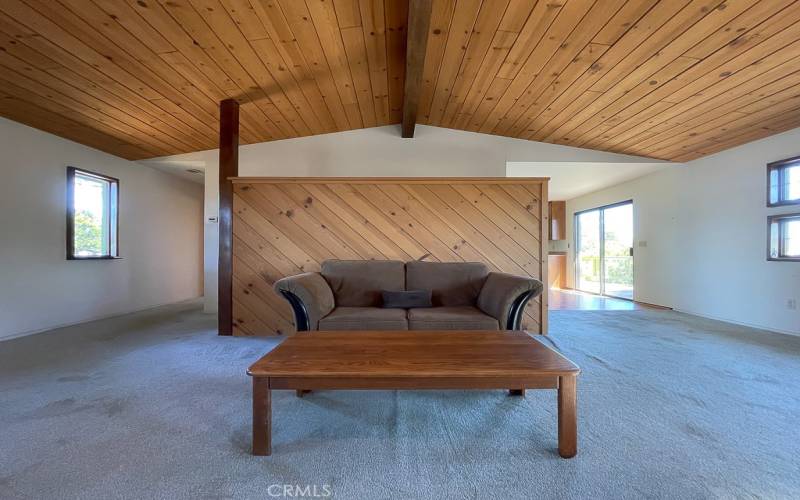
(602, 239)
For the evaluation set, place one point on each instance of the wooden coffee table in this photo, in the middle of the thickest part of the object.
(414, 360)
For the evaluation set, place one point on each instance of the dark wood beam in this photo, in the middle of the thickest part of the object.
(228, 167)
(419, 21)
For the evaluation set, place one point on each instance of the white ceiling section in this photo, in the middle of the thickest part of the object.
(433, 152)
(191, 170)
(569, 180)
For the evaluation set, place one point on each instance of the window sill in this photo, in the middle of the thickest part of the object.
(94, 258)
(785, 203)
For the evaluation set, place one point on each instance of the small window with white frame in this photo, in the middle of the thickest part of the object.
(784, 237)
(783, 182)
(92, 215)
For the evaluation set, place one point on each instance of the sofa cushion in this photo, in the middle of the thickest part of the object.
(407, 299)
(359, 283)
(364, 318)
(451, 283)
(450, 318)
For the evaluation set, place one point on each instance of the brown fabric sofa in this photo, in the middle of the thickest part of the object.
(347, 295)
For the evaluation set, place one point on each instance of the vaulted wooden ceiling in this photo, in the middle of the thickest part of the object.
(670, 79)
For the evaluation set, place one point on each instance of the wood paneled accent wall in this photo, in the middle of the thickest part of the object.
(286, 226)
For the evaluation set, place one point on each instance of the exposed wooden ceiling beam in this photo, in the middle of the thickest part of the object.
(419, 21)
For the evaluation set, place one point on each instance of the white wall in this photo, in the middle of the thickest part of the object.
(160, 237)
(655, 221)
(569, 180)
(380, 152)
(705, 227)
(211, 235)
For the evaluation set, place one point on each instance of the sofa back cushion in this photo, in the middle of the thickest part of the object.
(451, 283)
(360, 283)
(407, 299)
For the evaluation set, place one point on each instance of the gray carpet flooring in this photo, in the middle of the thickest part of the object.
(155, 405)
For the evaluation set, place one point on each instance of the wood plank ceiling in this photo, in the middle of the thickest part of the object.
(669, 79)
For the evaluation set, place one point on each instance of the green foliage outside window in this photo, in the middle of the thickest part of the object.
(88, 234)
(619, 265)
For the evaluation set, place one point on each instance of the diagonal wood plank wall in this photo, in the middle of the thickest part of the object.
(286, 226)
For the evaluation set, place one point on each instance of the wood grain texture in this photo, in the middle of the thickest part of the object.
(419, 20)
(558, 220)
(673, 80)
(668, 79)
(141, 79)
(413, 355)
(228, 167)
(283, 227)
(262, 417)
(567, 416)
(393, 360)
(557, 271)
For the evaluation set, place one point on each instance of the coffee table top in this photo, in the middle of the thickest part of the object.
(412, 354)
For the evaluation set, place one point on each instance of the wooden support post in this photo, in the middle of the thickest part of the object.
(544, 300)
(419, 21)
(228, 167)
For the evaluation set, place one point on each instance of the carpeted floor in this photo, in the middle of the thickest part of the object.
(155, 405)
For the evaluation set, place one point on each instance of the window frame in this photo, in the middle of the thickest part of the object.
(113, 218)
(771, 220)
(781, 166)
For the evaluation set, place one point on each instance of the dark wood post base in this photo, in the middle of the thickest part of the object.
(262, 417)
(567, 416)
(516, 392)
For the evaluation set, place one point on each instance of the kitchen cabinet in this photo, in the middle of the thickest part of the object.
(558, 220)
(557, 270)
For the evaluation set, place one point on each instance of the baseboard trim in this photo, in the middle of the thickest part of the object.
(707, 316)
(90, 320)
(654, 306)
(768, 329)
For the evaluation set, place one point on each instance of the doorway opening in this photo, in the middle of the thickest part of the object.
(604, 250)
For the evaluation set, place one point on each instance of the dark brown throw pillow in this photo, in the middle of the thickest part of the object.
(406, 299)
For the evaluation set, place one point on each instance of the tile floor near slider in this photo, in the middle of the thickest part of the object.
(156, 405)
(561, 299)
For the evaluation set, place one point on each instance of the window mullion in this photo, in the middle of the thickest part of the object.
(109, 197)
(784, 185)
(781, 238)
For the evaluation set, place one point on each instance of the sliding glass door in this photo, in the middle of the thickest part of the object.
(587, 247)
(618, 251)
(604, 250)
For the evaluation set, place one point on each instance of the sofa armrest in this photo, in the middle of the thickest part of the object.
(309, 295)
(504, 297)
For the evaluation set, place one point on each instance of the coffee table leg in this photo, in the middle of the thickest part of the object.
(567, 416)
(262, 417)
(516, 392)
